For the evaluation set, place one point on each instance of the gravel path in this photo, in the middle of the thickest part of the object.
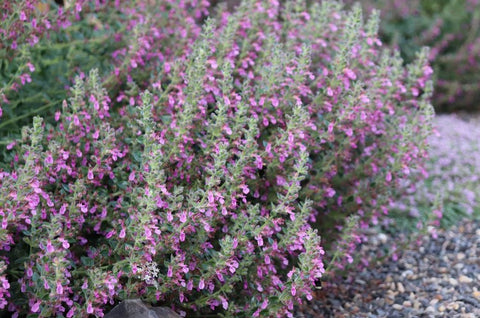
(436, 278)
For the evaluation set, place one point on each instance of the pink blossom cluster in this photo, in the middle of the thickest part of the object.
(218, 170)
(23, 22)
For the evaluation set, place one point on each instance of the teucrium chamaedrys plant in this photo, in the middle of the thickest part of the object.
(211, 191)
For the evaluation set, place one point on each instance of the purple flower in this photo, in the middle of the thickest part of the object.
(35, 307)
(23, 16)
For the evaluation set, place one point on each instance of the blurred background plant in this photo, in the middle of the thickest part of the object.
(452, 188)
(452, 29)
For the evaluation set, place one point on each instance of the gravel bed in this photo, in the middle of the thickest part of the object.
(431, 278)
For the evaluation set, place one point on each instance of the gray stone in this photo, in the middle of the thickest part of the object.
(135, 308)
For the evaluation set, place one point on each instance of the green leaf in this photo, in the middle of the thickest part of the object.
(87, 261)
(65, 187)
(35, 277)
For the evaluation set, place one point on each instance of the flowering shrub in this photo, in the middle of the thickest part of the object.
(451, 29)
(207, 180)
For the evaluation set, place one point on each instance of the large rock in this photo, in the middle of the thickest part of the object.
(135, 308)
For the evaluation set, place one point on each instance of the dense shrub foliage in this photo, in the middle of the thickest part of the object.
(451, 28)
(218, 172)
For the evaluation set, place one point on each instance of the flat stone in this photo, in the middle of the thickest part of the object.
(458, 266)
(465, 279)
(408, 273)
(416, 305)
(165, 312)
(135, 308)
(453, 281)
(430, 309)
(476, 294)
(453, 306)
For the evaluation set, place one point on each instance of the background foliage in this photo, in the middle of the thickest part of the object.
(452, 29)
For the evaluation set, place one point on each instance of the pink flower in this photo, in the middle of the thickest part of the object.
(89, 308)
(330, 128)
(167, 68)
(71, 312)
(330, 192)
(50, 248)
(274, 101)
(224, 302)
(36, 307)
(22, 17)
(264, 304)
(350, 74)
(388, 177)
(48, 160)
(30, 66)
(281, 181)
(25, 78)
(64, 242)
(11, 145)
(245, 189)
(33, 201)
(183, 216)
(59, 288)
